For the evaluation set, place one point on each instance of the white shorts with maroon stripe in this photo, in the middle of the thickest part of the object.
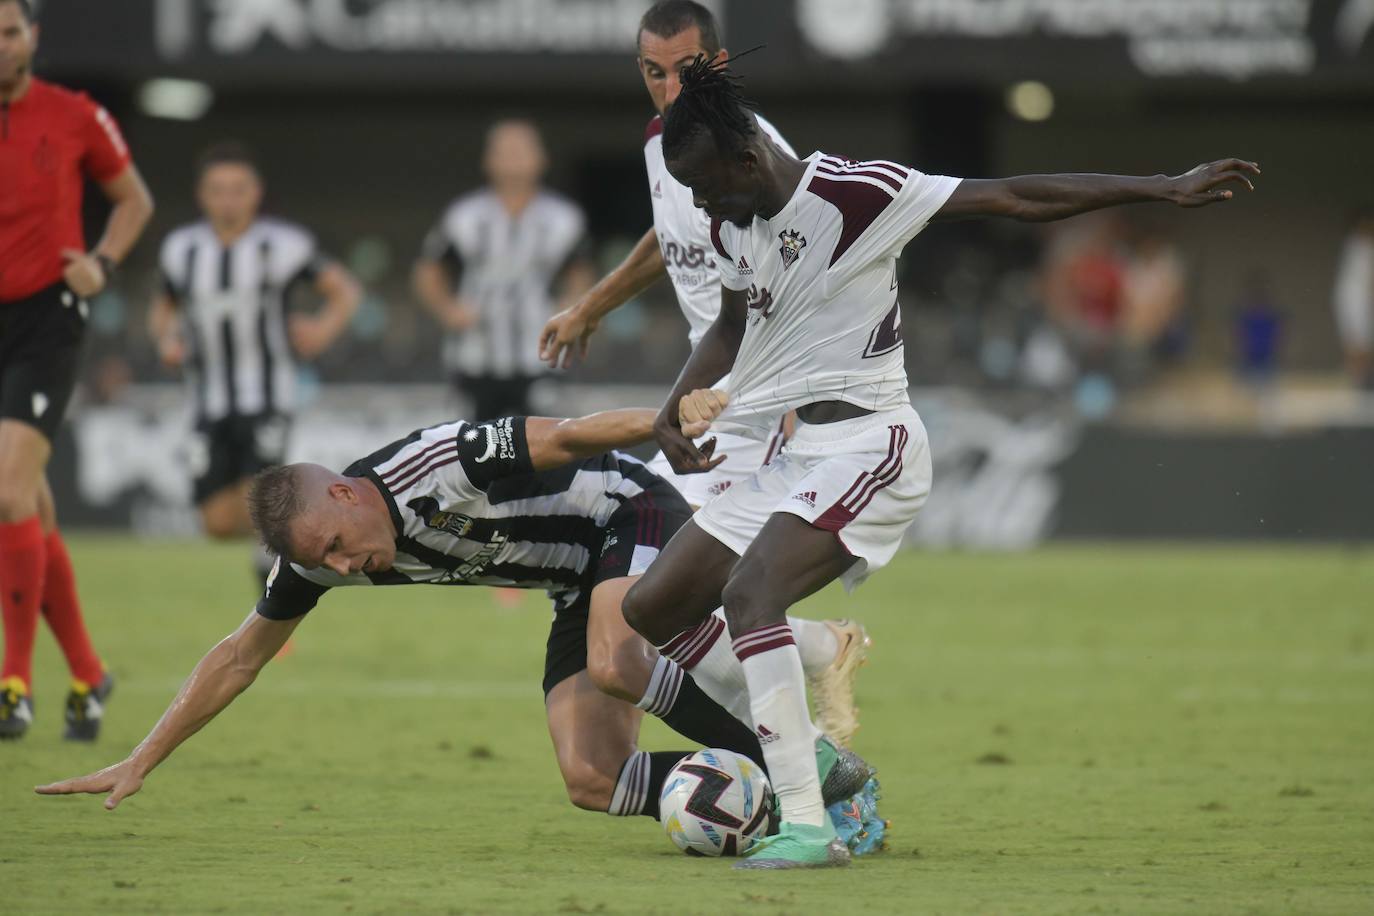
(864, 479)
(745, 456)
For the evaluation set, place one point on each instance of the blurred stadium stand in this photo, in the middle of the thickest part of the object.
(369, 114)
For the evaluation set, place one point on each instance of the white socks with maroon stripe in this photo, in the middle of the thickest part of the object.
(777, 700)
(816, 642)
(705, 653)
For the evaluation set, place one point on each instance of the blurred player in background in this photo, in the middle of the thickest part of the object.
(1353, 299)
(491, 268)
(807, 252)
(221, 314)
(672, 34)
(51, 141)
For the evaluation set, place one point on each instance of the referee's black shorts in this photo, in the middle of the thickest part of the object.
(633, 536)
(40, 353)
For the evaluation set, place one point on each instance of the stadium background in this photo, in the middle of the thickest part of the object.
(1073, 728)
(369, 116)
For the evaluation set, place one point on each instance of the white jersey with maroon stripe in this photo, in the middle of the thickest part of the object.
(823, 322)
(684, 237)
(684, 234)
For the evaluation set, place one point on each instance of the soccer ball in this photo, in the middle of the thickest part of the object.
(716, 803)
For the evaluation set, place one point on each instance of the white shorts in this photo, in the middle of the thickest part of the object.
(745, 457)
(864, 479)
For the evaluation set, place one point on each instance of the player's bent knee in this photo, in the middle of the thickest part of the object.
(587, 788)
(637, 608)
(749, 604)
(612, 673)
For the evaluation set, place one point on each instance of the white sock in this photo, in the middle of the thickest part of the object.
(816, 642)
(661, 694)
(632, 788)
(705, 651)
(777, 699)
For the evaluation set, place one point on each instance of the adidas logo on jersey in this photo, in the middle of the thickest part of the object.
(743, 266)
(658, 188)
(766, 736)
(808, 497)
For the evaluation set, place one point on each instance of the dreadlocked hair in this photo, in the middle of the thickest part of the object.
(711, 100)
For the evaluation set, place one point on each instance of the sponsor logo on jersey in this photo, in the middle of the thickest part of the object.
(808, 497)
(687, 257)
(500, 439)
(760, 303)
(792, 244)
(743, 267)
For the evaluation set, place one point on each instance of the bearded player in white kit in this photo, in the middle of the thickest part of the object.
(807, 253)
(671, 35)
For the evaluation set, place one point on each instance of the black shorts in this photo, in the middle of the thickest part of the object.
(496, 396)
(40, 354)
(635, 533)
(234, 448)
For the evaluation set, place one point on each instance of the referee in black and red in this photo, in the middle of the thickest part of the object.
(51, 141)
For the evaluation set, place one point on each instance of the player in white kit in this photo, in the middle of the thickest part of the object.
(672, 34)
(807, 253)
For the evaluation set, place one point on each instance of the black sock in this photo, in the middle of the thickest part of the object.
(696, 716)
(641, 782)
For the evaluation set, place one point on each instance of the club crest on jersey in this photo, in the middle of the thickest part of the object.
(792, 244)
(454, 523)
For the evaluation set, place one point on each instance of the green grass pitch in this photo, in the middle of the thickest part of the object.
(1074, 730)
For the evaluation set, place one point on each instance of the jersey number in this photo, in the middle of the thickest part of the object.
(887, 336)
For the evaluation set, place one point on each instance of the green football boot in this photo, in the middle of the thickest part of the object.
(798, 846)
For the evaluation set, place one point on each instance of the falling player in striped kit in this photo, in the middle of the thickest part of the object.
(221, 314)
(518, 502)
(807, 253)
(678, 245)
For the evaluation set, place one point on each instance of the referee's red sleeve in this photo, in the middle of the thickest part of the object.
(106, 154)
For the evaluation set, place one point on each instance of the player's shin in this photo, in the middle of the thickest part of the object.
(640, 783)
(23, 561)
(777, 700)
(62, 610)
(675, 698)
(704, 652)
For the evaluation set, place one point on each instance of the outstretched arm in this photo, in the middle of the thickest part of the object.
(569, 332)
(1042, 198)
(556, 442)
(224, 673)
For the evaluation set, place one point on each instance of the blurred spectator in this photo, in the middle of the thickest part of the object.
(1353, 299)
(489, 270)
(1084, 281)
(1259, 332)
(1152, 295)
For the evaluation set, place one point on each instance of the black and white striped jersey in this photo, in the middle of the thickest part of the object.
(506, 268)
(470, 510)
(233, 302)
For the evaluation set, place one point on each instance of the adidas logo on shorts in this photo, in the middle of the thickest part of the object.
(808, 497)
